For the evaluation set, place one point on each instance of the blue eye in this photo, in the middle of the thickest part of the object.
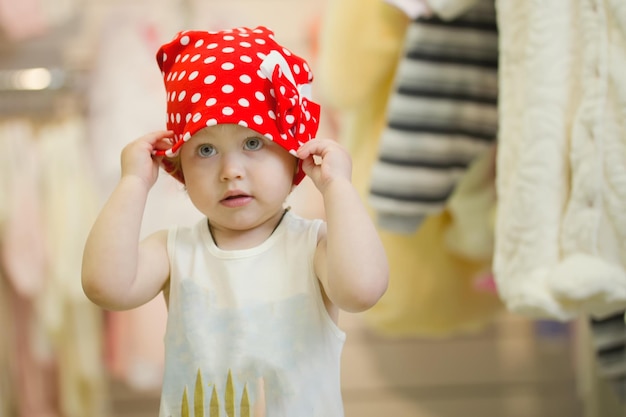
(206, 150)
(253, 144)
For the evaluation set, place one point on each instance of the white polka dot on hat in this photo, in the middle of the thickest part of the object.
(241, 76)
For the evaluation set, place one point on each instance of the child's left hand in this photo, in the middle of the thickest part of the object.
(333, 162)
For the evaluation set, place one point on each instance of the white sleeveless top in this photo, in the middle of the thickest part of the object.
(247, 332)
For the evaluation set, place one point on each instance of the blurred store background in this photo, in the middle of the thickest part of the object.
(78, 80)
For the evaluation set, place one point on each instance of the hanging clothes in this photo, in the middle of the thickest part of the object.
(436, 273)
(608, 336)
(561, 223)
(598, 390)
(127, 97)
(29, 383)
(22, 19)
(441, 115)
(23, 254)
(72, 323)
(25, 19)
(360, 46)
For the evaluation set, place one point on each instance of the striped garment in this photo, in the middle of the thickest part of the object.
(609, 342)
(441, 115)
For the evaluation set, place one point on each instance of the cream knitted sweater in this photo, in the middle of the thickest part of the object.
(561, 222)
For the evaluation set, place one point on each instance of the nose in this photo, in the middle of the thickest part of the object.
(232, 167)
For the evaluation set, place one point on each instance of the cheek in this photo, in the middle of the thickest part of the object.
(291, 164)
(194, 170)
(290, 168)
(283, 181)
(273, 174)
(197, 180)
(201, 194)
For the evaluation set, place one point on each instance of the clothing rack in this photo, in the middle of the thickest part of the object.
(40, 91)
(33, 79)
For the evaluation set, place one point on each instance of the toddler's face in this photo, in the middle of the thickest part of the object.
(235, 176)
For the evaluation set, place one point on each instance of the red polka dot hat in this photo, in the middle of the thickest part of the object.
(240, 76)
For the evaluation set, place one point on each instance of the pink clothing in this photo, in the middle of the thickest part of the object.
(22, 19)
(22, 253)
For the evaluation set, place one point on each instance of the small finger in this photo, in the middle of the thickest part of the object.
(312, 147)
(159, 135)
(163, 144)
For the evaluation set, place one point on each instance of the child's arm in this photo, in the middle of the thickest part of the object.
(350, 260)
(118, 272)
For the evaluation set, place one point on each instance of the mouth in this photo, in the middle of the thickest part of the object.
(234, 194)
(236, 199)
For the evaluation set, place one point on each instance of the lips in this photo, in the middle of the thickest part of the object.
(235, 198)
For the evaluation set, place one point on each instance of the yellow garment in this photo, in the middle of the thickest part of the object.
(431, 289)
(472, 206)
(359, 47)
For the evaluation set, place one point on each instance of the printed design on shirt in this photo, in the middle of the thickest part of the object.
(215, 402)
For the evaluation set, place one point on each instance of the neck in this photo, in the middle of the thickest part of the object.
(230, 239)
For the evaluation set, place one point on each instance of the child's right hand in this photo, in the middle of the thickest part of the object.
(138, 158)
